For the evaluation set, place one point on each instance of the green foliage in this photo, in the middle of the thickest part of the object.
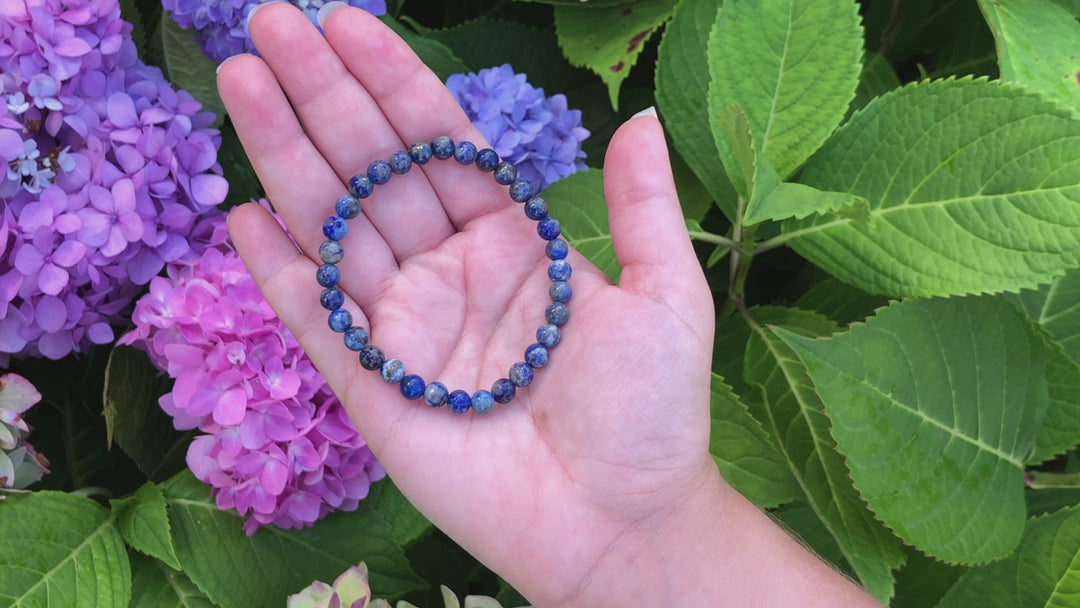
(155, 585)
(578, 202)
(144, 523)
(187, 67)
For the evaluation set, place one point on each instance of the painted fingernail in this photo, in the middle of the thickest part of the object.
(252, 12)
(649, 111)
(324, 12)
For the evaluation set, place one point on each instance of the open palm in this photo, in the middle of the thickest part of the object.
(451, 278)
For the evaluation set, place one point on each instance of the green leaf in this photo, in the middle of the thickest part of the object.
(1047, 500)
(406, 523)
(188, 68)
(1037, 46)
(578, 202)
(974, 186)
(748, 458)
(436, 55)
(878, 77)
(155, 585)
(235, 570)
(133, 417)
(1056, 307)
(60, 549)
(923, 580)
(802, 520)
(839, 301)
(130, 12)
(591, 3)
(682, 87)
(797, 421)
(609, 40)
(144, 523)
(1043, 571)
(936, 402)
(1060, 428)
(792, 65)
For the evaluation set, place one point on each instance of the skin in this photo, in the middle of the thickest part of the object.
(594, 487)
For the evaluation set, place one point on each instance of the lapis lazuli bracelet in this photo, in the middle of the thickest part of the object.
(393, 371)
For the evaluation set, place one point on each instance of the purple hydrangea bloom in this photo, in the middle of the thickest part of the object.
(280, 448)
(538, 134)
(107, 169)
(222, 24)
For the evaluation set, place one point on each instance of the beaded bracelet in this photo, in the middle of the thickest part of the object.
(356, 338)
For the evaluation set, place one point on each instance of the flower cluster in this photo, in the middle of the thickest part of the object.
(538, 134)
(20, 465)
(222, 24)
(106, 170)
(280, 444)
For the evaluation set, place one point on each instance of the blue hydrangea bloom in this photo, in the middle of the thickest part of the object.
(538, 134)
(222, 24)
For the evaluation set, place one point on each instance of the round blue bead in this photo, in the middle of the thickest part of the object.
(459, 402)
(487, 159)
(420, 152)
(328, 275)
(360, 186)
(442, 147)
(536, 208)
(332, 298)
(548, 228)
(356, 338)
(560, 291)
(483, 402)
(465, 152)
(559, 270)
(521, 374)
(503, 390)
(412, 387)
(548, 335)
(392, 371)
(536, 355)
(505, 173)
(331, 252)
(557, 314)
(335, 228)
(435, 394)
(520, 190)
(347, 206)
(371, 357)
(400, 162)
(340, 320)
(379, 172)
(557, 249)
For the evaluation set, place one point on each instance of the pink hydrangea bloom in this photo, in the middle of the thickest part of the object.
(280, 448)
(20, 465)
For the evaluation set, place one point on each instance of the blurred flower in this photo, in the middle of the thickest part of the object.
(281, 448)
(538, 134)
(107, 169)
(222, 24)
(350, 590)
(20, 465)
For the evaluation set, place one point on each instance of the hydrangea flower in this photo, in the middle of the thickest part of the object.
(538, 134)
(106, 170)
(222, 24)
(280, 448)
(20, 465)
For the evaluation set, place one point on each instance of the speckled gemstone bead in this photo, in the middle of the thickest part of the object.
(420, 152)
(559, 270)
(557, 314)
(483, 402)
(400, 162)
(557, 249)
(560, 291)
(340, 320)
(536, 208)
(331, 252)
(505, 173)
(465, 152)
(412, 387)
(392, 371)
(360, 186)
(459, 402)
(335, 228)
(356, 338)
(332, 298)
(548, 334)
(328, 275)
(347, 206)
(521, 374)
(442, 147)
(371, 357)
(536, 355)
(520, 190)
(436, 394)
(548, 228)
(379, 172)
(503, 390)
(487, 159)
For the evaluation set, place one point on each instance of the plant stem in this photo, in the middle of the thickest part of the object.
(1041, 480)
(777, 241)
(708, 237)
(741, 257)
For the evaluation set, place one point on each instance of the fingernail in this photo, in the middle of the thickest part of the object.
(324, 12)
(252, 12)
(227, 60)
(649, 111)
